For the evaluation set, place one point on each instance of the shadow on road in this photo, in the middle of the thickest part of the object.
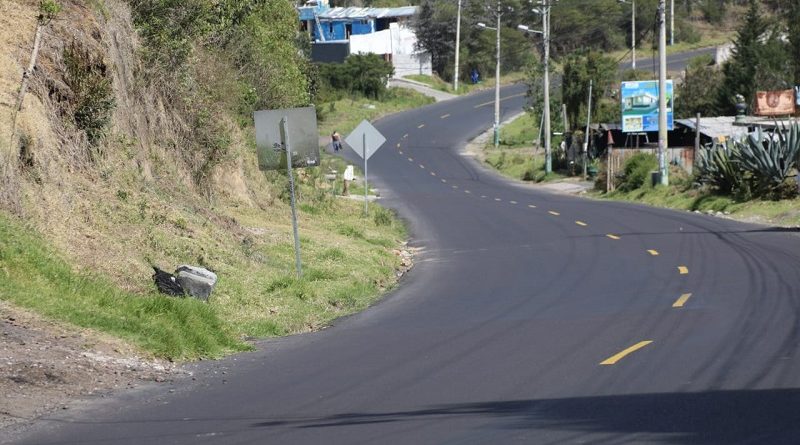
(715, 417)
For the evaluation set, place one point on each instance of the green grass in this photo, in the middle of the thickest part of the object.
(467, 87)
(779, 213)
(34, 276)
(515, 156)
(345, 114)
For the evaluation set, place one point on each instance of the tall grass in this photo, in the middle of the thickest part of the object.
(34, 276)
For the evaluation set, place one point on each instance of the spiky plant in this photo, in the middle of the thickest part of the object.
(771, 158)
(715, 168)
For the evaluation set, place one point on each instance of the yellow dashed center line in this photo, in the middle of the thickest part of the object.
(501, 99)
(652, 252)
(421, 126)
(612, 236)
(581, 223)
(553, 213)
(617, 357)
(681, 301)
(445, 116)
(683, 270)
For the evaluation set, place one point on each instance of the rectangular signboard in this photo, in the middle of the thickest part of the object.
(775, 103)
(640, 106)
(303, 138)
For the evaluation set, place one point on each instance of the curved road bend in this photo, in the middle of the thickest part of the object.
(530, 318)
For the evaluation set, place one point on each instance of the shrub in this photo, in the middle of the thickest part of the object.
(365, 74)
(89, 79)
(637, 171)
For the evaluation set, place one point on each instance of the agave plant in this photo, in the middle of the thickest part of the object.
(770, 158)
(715, 168)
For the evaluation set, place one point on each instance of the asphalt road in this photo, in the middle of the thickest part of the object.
(526, 320)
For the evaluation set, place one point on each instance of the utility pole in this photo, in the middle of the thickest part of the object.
(588, 123)
(497, 84)
(671, 22)
(633, 34)
(548, 157)
(458, 44)
(662, 91)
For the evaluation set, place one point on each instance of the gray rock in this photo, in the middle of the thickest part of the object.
(196, 281)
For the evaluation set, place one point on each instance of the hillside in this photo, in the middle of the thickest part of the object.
(134, 148)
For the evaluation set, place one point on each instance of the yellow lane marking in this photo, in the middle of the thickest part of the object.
(531, 206)
(612, 236)
(497, 199)
(444, 116)
(652, 252)
(683, 270)
(420, 125)
(422, 166)
(501, 99)
(513, 202)
(553, 213)
(617, 357)
(681, 301)
(581, 223)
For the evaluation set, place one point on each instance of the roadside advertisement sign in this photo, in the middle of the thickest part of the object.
(640, 106)
(775, 103)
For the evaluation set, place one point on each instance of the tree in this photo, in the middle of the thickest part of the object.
(793, 20)
(699, 90)
(740, 70)
(435, 26)
(578, 70)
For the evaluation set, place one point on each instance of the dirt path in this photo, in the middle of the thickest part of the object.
(44, 366)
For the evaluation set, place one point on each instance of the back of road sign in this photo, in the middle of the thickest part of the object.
(374, 139)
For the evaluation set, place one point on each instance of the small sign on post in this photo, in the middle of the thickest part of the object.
(365, 140)
(288, 136)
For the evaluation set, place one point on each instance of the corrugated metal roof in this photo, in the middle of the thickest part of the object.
(362, 13)
(716, 127)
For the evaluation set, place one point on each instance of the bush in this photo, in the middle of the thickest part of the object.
(637, 171)
(365, 74)
(89, 79)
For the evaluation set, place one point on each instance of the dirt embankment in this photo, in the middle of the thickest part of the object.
(44, 366)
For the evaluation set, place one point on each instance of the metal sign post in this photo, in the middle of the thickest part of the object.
(375, 139)
(366, 180)
(285, 142)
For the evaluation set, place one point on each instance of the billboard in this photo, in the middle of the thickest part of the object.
(303, 138)
(640, 106)
(775, 103)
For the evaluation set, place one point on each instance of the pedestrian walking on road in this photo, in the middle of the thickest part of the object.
(336, 141)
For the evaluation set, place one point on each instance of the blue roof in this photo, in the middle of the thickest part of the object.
(364, 13)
